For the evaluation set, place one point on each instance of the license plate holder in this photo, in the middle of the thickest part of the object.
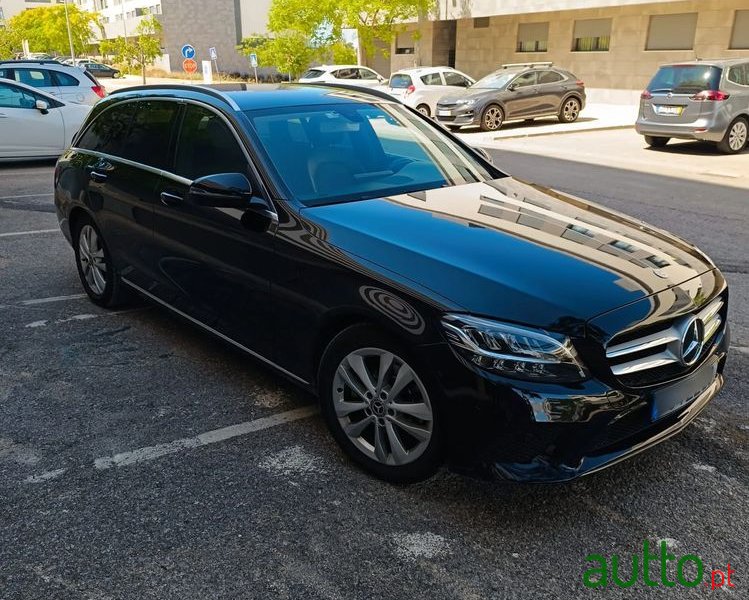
(681, 393)
(671, 111)
(443, 113)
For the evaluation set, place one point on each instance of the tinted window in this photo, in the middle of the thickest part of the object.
(526, 79)
(685, 79)
(452, 78)
(6, 74)
(739, 74)
(431, 79)
(207, 146)
(64, 80)
(355, 151)
(313, 74)
(109, 131)
(549, 77)
(346, 74)
(400, 81)
(34, 77)
(13, 97)
(150, 133)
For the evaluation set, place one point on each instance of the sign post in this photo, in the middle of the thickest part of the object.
(253, 64)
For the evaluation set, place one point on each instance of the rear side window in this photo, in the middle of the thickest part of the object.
(109, 130)
(685, 79)
(431, 79)
(400, 81)
(739, 74)
(207, 146)
(313, 74)
(150, 133)
(549, 77)
(64, 80)
(34, 77)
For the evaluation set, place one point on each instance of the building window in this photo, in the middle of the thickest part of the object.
(672, 32)
(404, 43)
(481, 22)
(533, 37)
(740, 36)
(592, 35)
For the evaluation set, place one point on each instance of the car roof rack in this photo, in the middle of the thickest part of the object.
(35, 61)
(528, 64)
(211, 90)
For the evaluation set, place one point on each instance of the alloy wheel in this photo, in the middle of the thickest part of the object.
(423, 109)
(571, 110)
(493, 118)
(737, 136)
(382, 406)
(92, 261)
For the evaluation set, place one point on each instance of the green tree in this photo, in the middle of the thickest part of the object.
(138, 51)
(10, 43)
(46, 28)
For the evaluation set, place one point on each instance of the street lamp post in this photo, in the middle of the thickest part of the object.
(70, 34)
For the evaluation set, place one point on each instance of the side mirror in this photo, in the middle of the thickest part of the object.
(225, 190)
(512, 87)
(42, 106)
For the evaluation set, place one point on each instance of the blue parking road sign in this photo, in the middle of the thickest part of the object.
(188, 51)
(253, 60)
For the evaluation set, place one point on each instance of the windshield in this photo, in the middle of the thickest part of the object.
(495, 81)
(345, 152)
(685, 79)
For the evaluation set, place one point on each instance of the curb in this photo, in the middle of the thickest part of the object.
(568, 132)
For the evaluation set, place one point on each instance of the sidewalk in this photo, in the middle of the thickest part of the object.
(595, 116)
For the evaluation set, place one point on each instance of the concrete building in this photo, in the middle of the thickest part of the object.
(610, 44)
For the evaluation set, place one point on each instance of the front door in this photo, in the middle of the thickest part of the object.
(24, 130)
(522, 99)
(211, 266)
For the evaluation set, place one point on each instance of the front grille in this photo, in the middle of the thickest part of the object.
(653, 356)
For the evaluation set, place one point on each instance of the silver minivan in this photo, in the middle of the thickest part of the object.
(698, 100)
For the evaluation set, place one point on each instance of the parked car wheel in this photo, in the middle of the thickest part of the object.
(570, 110)
(492, 118)
(736, 137)
(95, 268)
(116, 75)
(656, 142)
(424, 110)
(376, 401)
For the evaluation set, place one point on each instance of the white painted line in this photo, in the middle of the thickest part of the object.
(742, 349)
(46, 476)
(26, 196)
(83, 317)
(34, 232)
(203, 439)
(51, 299)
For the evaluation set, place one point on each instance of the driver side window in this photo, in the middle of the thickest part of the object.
(525, 79)
(13, 97)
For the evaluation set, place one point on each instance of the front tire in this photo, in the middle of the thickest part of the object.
(378, 405)
(492, 118)
(424, 110)
(656, 142)
(95, 267)
(736, 136)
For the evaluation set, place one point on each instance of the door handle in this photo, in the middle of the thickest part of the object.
(168, 199)
(97, 177)
(3, 116)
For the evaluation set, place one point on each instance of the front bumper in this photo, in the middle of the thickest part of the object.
(707, 128)
(500, 428)
(460, 116)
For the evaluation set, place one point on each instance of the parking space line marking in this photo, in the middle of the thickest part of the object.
(36, 301)
(210, 437)
(26, 196)
(46, 476)
(34, 232)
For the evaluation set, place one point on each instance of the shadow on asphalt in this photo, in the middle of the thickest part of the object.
(542, 122)
(695, 148)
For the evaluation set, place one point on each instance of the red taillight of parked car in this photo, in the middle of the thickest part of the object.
(410, 89)
(646, 95)
(580, 82)
(710, 96)
(99, 90)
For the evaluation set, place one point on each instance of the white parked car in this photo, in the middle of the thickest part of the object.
(34, 124)
(70, 84)
(422, 87)
(349, 74)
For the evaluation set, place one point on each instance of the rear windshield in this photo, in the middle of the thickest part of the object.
(400, 81)
(312, 74)
(685, 79)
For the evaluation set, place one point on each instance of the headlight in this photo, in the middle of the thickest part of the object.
(466, 102)
(514, 351)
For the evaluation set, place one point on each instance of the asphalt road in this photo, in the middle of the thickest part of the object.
(108, 490)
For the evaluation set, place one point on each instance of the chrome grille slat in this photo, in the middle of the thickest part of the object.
(666, 344)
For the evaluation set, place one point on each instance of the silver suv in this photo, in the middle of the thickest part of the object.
(699, 100)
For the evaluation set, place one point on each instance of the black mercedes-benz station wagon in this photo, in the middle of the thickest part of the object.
(439, 308)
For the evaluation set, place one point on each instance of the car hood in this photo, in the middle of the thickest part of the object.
(510, 250)
(469, 93)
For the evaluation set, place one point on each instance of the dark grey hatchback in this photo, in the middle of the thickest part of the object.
(437, 307)
(512, 93)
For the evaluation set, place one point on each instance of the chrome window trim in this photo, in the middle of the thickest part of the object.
(214, 332)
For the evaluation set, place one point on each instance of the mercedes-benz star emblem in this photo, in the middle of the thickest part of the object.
(692, 340)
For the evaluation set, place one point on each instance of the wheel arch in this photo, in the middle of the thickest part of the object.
(78, 213)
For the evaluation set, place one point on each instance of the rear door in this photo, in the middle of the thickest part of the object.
(674, 93)
(212, 266)
(24, 130)
(70, 88)
(550, 91)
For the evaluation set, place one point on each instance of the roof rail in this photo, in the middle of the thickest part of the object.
(353, 88)
(36, 61)
(210, 90)
(528, 64)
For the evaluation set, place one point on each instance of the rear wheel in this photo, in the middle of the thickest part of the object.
(377, 403)
(424, 110)
(570, 110)
(736, 137)
(656, 142)
(492, 118)
(95, 268)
